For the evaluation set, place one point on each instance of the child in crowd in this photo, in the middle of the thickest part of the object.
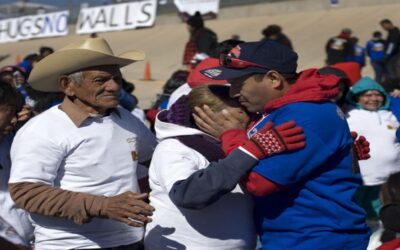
(375, 49)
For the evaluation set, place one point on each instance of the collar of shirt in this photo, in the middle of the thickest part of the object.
(77, 115)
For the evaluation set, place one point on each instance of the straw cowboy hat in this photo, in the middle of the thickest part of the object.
(74, 57)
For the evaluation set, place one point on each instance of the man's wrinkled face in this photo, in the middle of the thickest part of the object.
(7, 119)
(371, 100)
(252, 94)
(100, 87)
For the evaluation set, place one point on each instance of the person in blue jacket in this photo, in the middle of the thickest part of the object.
(359, 52)
(375, 49)
(303, 199)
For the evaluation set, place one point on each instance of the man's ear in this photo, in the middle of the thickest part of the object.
(275, 78)
(65, 84)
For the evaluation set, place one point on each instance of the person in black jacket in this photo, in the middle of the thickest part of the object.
(339, 48)
(202, 39)
(391, 49)
(274, 32)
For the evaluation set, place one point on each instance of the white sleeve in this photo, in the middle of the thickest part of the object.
(173, 162)
(34, 157)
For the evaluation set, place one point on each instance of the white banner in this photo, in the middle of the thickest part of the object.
(203, 6)
(117, 17)
(35, 26)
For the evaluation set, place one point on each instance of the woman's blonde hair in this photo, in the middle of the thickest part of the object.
(215, 96)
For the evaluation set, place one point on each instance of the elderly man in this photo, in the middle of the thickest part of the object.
(74, 166)
(303, 199)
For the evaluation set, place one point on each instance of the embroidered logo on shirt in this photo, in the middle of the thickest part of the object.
(134, 155)
(132, 145)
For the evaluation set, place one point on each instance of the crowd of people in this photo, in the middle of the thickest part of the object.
(383, 53)
(240, 151)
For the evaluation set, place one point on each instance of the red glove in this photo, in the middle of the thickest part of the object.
(232, 139)
(361, 145)
(273, 140)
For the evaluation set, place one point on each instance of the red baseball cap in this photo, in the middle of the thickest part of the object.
(195, 78)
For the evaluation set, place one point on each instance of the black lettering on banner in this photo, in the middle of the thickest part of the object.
(4, 30)
(47, 23)
(9, 30)
(146, 13)
(127, 14)
(22, 27)
(101, 18)
(38, 26)
(85, 18)
(112, 17)
(63, 20)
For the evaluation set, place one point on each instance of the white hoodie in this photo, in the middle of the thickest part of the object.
(379, 127)
(227, 224)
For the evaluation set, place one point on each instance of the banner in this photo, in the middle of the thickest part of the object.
(34, 26)
(190, 7)
(117, 17)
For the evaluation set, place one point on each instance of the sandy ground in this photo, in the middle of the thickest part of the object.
(164, 43)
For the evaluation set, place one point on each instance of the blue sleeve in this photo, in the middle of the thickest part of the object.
(290, 168)
(395, 106)
(368, 48)
(324, 138)
(206, 186)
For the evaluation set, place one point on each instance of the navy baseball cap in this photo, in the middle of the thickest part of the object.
(254, 58)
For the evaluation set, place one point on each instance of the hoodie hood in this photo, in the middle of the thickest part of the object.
(365, 84)
(309, 87)
(176, 121)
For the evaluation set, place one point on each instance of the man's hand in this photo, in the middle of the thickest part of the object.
(128, 208)
(215, 124)
(273, 140)
(25, 113)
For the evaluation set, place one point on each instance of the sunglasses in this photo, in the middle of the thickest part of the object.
(236, 63)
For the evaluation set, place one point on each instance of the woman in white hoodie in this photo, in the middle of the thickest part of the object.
(198, 202)
(371, 117)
